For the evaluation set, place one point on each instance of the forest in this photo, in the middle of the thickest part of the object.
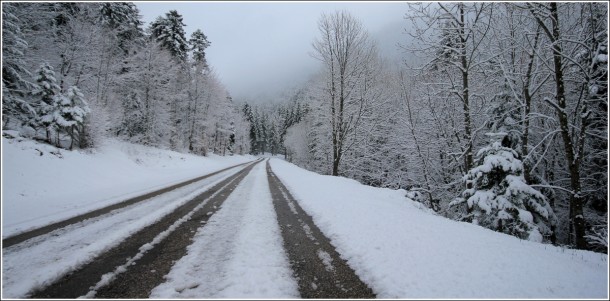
(75, 73)
(498, 115)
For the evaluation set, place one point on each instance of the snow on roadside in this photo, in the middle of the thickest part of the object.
(42, 184)
(238, 254)
(401, 251)
(42, 260)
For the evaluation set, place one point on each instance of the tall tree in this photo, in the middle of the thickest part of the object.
(345, 51)
(461, 29)
(572, 141)
(124, 19)
(199, 43)
(169, 32)
(150, 79)
(15, 83)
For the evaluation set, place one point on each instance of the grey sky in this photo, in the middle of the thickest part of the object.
(261, 48)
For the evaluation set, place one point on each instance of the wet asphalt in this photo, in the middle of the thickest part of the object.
(318, 268)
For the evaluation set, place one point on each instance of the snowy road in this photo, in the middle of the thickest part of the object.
(238, 254)
(41, 261)
(289, 233)
(216, 238)
(21, 237)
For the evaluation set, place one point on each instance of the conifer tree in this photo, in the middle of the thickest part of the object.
(71, 113)
(47, 91)
(169, 31)
(14, 71)
(124, 18)
(199, 42)
(498, 198)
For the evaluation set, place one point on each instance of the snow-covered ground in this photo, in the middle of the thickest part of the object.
(398, 248)
(401, 251)
(42, 184)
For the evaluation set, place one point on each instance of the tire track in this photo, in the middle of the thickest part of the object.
(318, 268)
(138, 264)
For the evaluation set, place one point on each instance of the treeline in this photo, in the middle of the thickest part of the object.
(76, 73)
(501, 123)
(269, 124)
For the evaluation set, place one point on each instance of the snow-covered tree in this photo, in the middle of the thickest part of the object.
(123, 18)
(498, 198)
(72, 111)
(346, 53)
(413, 119)
(571, 52)
(46, 92)
(134, 118)
(199, 42)
(450, 37)
(149, 78)
(313, 129)
(169, 32)
(241, 133)
(593, 59)
(15, 83)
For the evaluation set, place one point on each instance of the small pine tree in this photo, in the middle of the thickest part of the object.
(73, 110)
(47, 91)
(497, 196)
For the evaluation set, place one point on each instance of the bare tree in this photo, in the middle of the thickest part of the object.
(454, 52)
(574, 40)
(345, 50)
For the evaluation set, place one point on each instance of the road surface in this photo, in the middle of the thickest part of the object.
(236, 233)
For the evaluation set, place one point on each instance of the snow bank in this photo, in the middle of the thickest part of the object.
(42, 184)
(402, 251)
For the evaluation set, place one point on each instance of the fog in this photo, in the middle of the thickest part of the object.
(260, 49)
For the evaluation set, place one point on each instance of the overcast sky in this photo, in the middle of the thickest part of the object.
(262, 48)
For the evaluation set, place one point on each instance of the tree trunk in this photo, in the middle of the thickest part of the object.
(48, 135)
(576, 199)
(465, 94)
(527, 109)
(335, 171)
(71, 137)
